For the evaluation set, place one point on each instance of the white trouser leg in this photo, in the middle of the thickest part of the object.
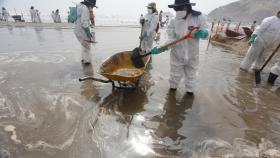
(190, 77)
(254, 52)
(261, 59)
(176, 74)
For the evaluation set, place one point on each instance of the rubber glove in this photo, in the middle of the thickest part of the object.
(157, 50)
(201, 34)
(144, 35)
(253, 38)
(88, 33)
(177, 36)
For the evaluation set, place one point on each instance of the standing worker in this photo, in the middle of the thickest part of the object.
(150, 27)
(38, 17)
(33, 14)
(228, 24)
(82, 29)
(53, 16)
(1, 17)
(184, 56)
(263, 40)
(57, 16)
(160, 18)
(253, 26)
(5, 14)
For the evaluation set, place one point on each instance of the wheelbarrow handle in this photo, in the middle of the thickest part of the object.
(188, 36)
(90, 41)
(94, 79)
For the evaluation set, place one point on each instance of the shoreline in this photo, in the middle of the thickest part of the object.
(55, 25)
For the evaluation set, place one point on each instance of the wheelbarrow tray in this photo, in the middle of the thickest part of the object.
(119, 67)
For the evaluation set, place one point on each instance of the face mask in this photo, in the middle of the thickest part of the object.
(181, 14)
(150, 11)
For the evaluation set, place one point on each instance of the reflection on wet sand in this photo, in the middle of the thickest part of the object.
(259, 117)
(117, 127)
(39, 33)
(167, 132)
(88, 88)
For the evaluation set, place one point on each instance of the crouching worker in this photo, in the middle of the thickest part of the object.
(184, 56)
(82, 29)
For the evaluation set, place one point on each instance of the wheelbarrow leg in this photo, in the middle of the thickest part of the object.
(96, 79)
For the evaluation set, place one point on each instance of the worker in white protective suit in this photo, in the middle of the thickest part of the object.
(33, 14)
(184, 56)
(53, 16)
(82, 29)
(150, 27)
(57, 16)
(38, 17)
(5, 14)
(264, 39)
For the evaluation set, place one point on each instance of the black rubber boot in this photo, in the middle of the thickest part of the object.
(191, 94)
(271, 79)
(172, 89)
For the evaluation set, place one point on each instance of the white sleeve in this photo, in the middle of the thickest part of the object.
(264, 25)
(85, 17)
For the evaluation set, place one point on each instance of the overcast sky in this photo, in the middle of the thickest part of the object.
(130, 8)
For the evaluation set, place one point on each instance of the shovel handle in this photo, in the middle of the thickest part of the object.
(270, 57)
(141, 39)
(188, 36)
(90, 41)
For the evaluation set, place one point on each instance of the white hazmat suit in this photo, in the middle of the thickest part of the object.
(6, 15)
(150, 26)
(33, 14)
(38, 17)
(53, 16)
(184, 56)
(83, 21)
(268, 37)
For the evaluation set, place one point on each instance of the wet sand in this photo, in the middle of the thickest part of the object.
(46, 112)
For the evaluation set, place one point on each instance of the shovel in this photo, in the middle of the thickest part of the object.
(137, 50)
(136, 57)
(258, 72)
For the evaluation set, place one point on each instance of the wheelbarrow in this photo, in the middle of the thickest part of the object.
(120, 71)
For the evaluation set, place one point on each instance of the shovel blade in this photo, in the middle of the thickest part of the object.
(136, 58)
